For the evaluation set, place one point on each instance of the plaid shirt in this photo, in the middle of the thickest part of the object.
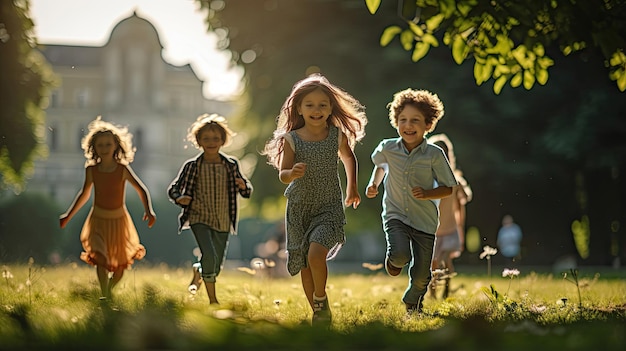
(184, 184)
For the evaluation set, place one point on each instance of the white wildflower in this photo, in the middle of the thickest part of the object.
(488, 251)
(510, 273)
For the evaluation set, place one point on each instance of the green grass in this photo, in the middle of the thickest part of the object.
(58, 308)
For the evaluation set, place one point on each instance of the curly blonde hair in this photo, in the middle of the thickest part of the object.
(124, 152)
(428, 103)
(348, 114)
(212, 122)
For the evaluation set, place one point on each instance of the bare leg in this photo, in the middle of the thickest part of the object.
(210, 290)
(103, 279)
(307, 284)
(117, 276)
(319, 269)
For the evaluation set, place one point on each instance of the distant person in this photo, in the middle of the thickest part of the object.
(416, 175)
(109, 236)
(451, 232)
(318, 124)
(206, 188)
(510, 239)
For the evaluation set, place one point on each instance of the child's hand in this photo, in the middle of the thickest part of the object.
(418, 192)
(184, 200)
(150, 217)
(298, 170)
(371, 191)
(63, 220)
(241, 184)
(353, 199)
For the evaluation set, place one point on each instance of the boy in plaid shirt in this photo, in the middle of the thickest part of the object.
(206, 188)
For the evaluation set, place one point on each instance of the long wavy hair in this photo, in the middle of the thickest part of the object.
(124, 151)
(348, 114)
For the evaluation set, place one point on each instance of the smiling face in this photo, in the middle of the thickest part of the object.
(412, 126)
(105, 146)
(210, 140)
(315, 107)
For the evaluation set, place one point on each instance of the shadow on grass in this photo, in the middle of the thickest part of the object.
(164, 324)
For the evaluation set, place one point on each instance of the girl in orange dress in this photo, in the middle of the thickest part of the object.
(109, 237)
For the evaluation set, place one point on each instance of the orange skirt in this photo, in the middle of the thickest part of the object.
(110, 239)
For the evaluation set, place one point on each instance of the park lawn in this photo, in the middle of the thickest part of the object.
(57, 308)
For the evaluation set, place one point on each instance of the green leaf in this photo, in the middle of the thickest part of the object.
(621, 81)
(458, 49)
(542, 76)
(478, 73)
(447, 7)
(388, 34)
(539, 50)
(433, 23)
(482, 72)
(516, 81)
(421, 49)
(499, 84)
(407, 38)
(416, 29)
(372, 5)
(529, 79)
(617, 58)
(430, 39)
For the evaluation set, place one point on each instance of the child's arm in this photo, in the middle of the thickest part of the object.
(175, 190)
(353, 198)
(243, 184)
(143, 194)
(436, 193)
(80, 200)
(288, 170)
(378, 173)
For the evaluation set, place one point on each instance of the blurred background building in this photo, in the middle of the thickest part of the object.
(127, 82)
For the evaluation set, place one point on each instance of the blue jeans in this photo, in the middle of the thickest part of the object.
(406, 244)
(213, 246)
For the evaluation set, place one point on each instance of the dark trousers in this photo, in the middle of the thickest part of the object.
(409, 245)
(213, 246)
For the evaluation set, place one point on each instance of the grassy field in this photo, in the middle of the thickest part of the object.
(58, 308)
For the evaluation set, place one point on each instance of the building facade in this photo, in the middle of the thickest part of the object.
(128, 83)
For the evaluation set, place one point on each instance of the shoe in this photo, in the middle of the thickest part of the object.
(196, 281)
(321, 313)
(414, 308)
(391, 269)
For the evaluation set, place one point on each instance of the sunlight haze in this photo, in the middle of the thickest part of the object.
(180, 25)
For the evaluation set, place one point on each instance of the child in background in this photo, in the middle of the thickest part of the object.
(206, 188)
(109, 237)
(509, 239)
(415, 174)
(451, 232)
(318, 124)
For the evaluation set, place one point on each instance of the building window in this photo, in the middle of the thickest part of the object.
(81, 135)
(82, 98)
(55, 99)
(138, 139)
(53, 138)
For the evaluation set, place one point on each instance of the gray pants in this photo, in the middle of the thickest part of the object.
(409, 245)
(213, 246)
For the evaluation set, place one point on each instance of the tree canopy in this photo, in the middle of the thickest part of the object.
(24, 89)
(512, 41)
(525, 152)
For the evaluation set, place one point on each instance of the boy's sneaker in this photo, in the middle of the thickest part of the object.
(196, 281)
(391, 269)
(321, 312)
(414, 308)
